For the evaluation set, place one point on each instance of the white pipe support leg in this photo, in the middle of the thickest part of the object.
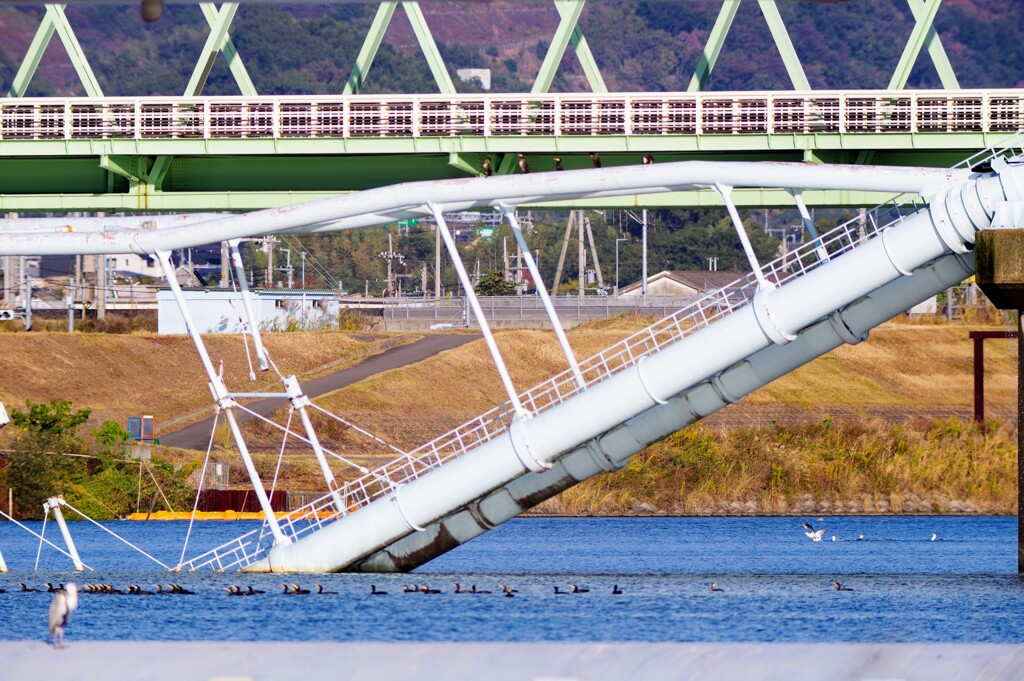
(250, 318)
(542, 292)
(54, 504)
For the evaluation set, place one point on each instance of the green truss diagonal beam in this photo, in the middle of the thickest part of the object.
(568, 27)
(706, 62)
(371, 44)
(55, 21)
(219, 42)
(924, 12)
(429, 48)
(374, 37)
(569, 11)
(782, 41)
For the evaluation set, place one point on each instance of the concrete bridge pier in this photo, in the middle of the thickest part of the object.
(1000, 274)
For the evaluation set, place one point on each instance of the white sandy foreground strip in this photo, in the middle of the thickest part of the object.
(258, 661)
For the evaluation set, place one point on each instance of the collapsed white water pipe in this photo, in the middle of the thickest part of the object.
(610, 451)
(774, 318)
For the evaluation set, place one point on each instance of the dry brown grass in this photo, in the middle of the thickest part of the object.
(901, 365)
(863, 467)
(121, 375)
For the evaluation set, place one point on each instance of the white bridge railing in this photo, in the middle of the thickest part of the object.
(709, 308)
(513, 115)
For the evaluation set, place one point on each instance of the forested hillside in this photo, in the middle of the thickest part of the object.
(650, 46)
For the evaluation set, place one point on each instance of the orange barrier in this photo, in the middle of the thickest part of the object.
(215, 515)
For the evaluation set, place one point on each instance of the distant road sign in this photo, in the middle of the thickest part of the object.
(6, 315)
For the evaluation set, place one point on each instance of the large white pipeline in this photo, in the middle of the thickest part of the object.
(774, 318)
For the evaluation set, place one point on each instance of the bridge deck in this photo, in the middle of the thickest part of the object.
(236, 153)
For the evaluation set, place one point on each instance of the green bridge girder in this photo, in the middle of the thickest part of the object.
(244, 174)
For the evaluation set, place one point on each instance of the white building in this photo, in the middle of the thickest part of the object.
(221, 310)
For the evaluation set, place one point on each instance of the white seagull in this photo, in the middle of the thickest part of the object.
(64, 603)
(935, 537)
(815, 535)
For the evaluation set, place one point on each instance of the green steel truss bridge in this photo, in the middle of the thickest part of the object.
(195, 153)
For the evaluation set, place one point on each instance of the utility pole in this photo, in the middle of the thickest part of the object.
(423, 279)
(561, 255)
(26, 293)
(643, 273)
(70, 299)
(437, 262)
(582, 277)
(224, 264)
(389, 256)
(100, 277)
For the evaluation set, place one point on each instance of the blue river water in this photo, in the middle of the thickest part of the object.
(776, 584)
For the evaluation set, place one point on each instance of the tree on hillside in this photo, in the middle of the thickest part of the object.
(493, 283)
(38, 466)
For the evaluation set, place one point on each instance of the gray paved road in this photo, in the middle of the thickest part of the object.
(197, 435)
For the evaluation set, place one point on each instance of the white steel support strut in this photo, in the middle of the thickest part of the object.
(542, 291)
(54, 504)
(3, 565)
(223, 399)
(726, 193)
(299, 402)
(805, 217)
(474, 302)
(243, 287)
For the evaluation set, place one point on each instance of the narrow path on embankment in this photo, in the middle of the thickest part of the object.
(197, 435)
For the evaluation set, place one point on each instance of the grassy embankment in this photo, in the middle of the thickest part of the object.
(892, 446)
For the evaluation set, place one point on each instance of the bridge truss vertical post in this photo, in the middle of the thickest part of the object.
(222, 397)
(474, 303)
(55, 21)
(542, 291)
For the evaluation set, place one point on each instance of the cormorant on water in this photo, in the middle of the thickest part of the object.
(558, 164)
(714, 587)
(559, 592)
(577, 590)
(252, 592)
(596, 159)
(459, 589)
(840, 587)
(25, 588)
(616, 591)
(374, 592)
(427, 590)
(320, 590)
(481, 591)
(524, 167)
(50, 588)
(487, 166)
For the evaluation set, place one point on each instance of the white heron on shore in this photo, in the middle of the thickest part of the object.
(64, 603)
